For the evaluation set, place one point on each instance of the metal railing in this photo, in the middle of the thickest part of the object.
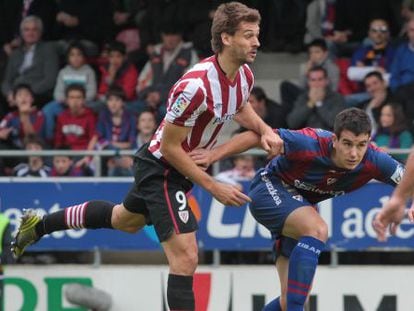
(98, 154)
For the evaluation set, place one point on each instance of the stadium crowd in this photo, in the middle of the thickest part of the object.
(95, 74)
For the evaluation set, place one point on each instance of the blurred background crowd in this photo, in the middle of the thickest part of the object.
(95, 74)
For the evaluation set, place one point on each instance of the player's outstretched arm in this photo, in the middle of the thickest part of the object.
(171, 149)
(393, 211)
(237, 144)
(269, 140)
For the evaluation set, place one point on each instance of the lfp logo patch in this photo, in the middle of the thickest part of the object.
(180, 104)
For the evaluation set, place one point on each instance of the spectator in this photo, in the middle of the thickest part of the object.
(27, 120)
(352, 18)
(34, 63)
(320, 18)
(35, 166)
(118, 72)
(377, 55)
(86, 20)
(16, 10)
(392, 131)
(402, 68)
(116, 130)
(168, 62)
(76, 125)
(116, 127)
(76, 71)
(243, 170)
(376, 87)
(63, 166)
(317, 56)
(271, 112)
(146, 126)
(318, 106)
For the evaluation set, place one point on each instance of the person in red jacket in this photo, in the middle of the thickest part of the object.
(76, 125)
(118, 71)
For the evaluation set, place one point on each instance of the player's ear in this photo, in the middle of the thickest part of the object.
(334, 140)
(226, 39)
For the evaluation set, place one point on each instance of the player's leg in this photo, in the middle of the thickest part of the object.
(279, 303)
(182, 254)
(93, 214)
(305, 225)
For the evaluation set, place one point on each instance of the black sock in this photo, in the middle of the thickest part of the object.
(90, 215)
(180, 293)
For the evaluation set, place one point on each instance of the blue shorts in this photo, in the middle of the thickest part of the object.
(272, 202)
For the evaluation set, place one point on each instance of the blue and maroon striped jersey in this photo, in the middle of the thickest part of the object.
(307, 166)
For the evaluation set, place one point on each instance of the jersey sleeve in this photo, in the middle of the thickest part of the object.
(301, 141)
(391, 171)
(185, 103)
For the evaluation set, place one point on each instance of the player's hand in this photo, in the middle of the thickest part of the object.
(229, 194)
(201, 157)
(410, 213)
(390, 216)
(272, 144)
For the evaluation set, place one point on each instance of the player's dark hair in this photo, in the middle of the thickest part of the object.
(319, 43)
(376, 74)
(227, 18)
(75, 87)
(354, 120)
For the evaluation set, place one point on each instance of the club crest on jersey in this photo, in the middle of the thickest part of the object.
(330, 181)
(180, 104)
(398, 174)
(184, 215)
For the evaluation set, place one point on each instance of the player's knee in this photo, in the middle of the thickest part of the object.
(185, 261)
(318, 231)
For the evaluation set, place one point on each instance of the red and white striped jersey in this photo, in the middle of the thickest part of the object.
(205, 100)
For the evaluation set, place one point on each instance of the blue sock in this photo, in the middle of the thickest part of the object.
(302, 265)
(274, 305)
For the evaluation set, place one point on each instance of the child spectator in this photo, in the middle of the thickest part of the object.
(27, 120)
(118, 72)
(76, 71)
(35, 166)
(146, 126)
(116, 130)
(243, 170)
(392, 131)
(76, 125)
(63, 166)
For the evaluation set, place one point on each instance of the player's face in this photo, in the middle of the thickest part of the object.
(378, 32)
(30, 32)
(244, 43)
(317, 55)
(349, 149)
(76, 58)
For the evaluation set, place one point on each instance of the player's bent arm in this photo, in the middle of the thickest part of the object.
(171, 148)
(237, 144)
(172, 151)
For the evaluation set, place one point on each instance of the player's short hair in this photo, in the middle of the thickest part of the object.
(227, 18)
(259, 93)
(354, 120)
(75, 87)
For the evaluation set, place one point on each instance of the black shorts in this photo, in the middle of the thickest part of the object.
(159, 193)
